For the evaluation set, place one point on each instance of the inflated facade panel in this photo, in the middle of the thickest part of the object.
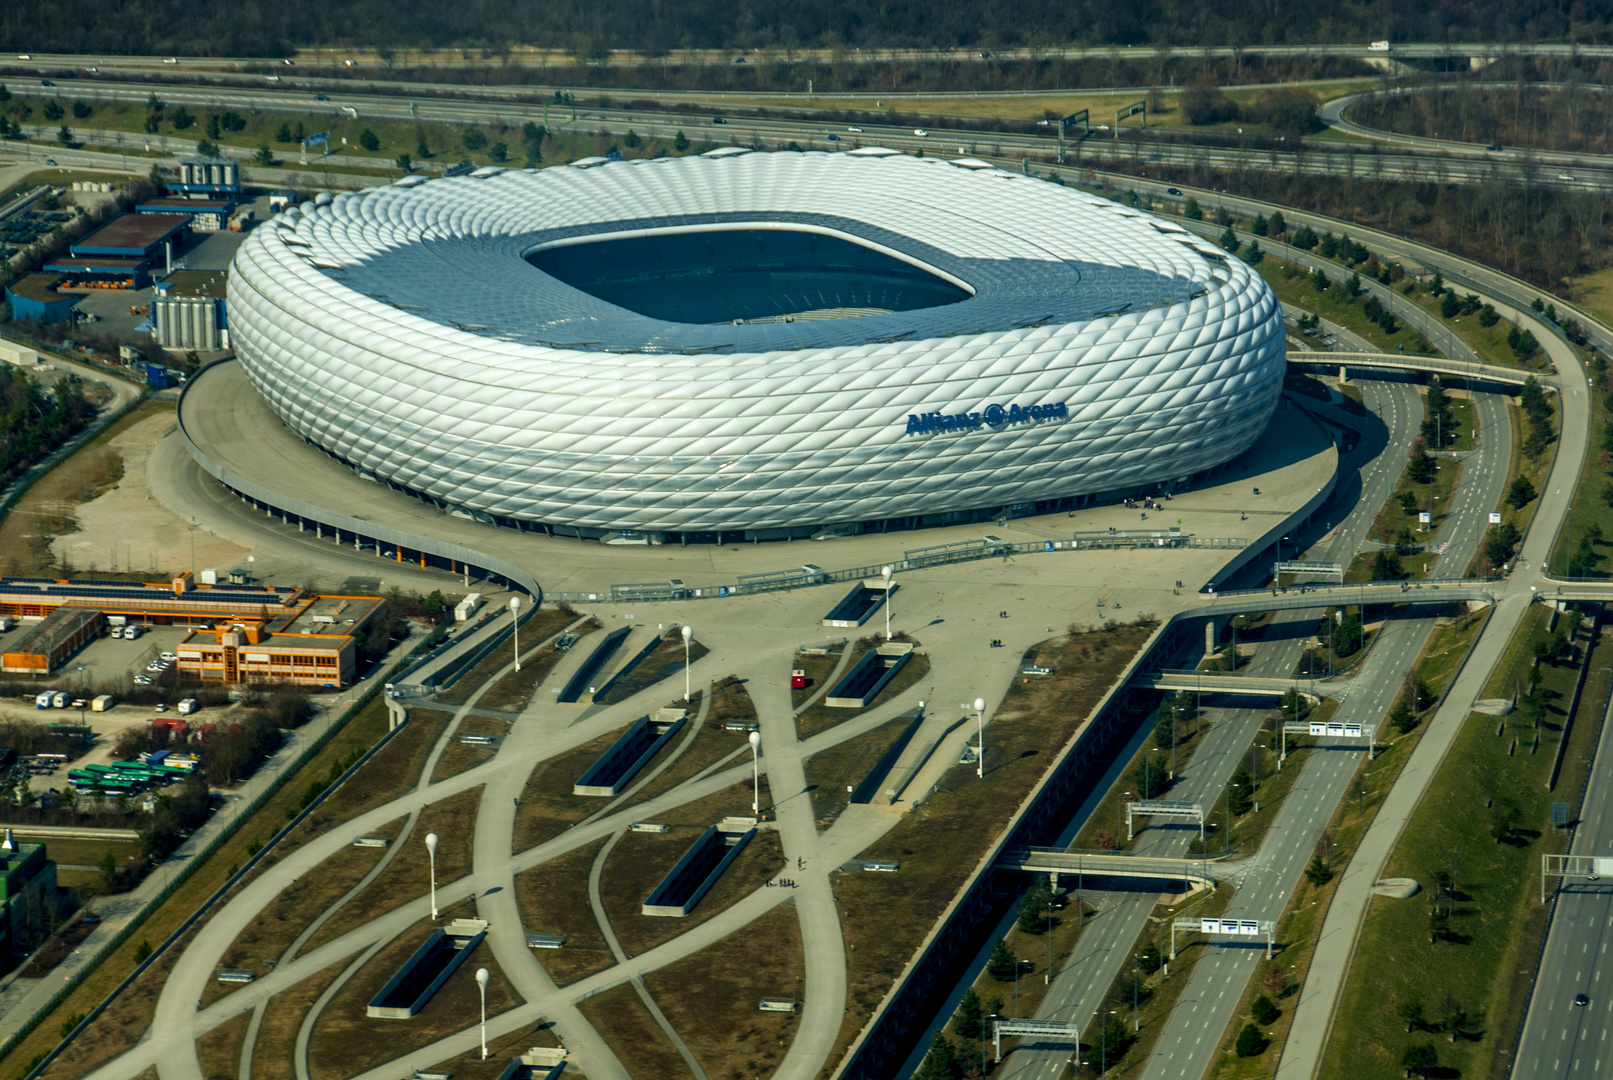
(403, 330)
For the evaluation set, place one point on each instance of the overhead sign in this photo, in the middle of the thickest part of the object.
(1246, 927)
(992, 416)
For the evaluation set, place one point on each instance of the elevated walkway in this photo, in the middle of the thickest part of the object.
(1432, 365)
(1205, 682)
(1480, 590)
(1200, 872)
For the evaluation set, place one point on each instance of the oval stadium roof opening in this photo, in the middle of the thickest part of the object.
(745, 274)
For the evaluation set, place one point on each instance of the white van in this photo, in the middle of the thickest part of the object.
(133, 632)
(59, 699)
(43, 700)
(188, 706)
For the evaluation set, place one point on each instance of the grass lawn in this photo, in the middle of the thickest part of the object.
(817, 669)
(44, 511)
(830, 772)
(548, 808)
(821, 717)
(130, 1015)
(395, 768)
(665, 662)
(1292, 284)
(710, 997)
(1495, 919)
(219, 1051)
(1592, 513)
(1301, 921)
(512, 691)
(269, 935)
(553, 897)
(1433, 498)
(626, 1025)
(885, 916)
(277, 1035)
(458, 756)
(640, 860)
(346, 1042)
(1594, 293)
(408, 875)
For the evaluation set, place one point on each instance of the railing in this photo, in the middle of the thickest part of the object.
(916, 559)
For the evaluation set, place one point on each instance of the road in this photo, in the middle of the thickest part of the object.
(1561, 1039)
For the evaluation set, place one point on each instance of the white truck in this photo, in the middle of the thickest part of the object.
(102, 702)
(1378, 46)
(189, 705)
(467, 607)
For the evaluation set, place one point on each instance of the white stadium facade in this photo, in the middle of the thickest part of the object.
(764, 345)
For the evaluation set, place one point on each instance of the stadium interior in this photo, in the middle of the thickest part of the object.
(744, 276)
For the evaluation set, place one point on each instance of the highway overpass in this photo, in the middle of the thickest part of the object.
(1210, 683)
(1432, 365)
(1203, 873)
(1480, 590)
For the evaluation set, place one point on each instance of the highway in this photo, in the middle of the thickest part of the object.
(1561, 1039)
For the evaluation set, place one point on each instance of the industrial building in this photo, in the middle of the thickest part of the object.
(27, 892)
(122, 253)
(206, 215)
(756, 345)
(45, 647)
(187, 311)
(33, 298)
(216, 176)
(240, 633)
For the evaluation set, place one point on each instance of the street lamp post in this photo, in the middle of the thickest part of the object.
(885, 575)
(431, 850)
(980, 736)
(688, 632)
(756, 772)
(515, 616)
(481, 984)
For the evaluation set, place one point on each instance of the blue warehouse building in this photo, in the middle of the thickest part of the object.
(122, 253)
(33, 298)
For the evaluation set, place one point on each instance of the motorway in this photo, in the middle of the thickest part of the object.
(1561, 1039)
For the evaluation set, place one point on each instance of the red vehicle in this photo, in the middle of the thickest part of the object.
(798, 679)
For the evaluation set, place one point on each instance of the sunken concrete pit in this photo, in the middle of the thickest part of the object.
(615, 768)
(699, 869)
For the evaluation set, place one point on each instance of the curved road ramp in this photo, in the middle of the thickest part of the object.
(423, 974)
(699, 869)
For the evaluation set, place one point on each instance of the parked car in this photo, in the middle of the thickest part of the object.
(142, 680)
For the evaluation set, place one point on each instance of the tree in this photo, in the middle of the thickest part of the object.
(1533, 399)
(473, 139)
(53, 111)
(108, 867)
(1520, 493)
(1264, 1011)
(264, 156)
(1192, 211)
(1449, 306)
(1261, 226)
(1419, 465)
(1241, 793)
(1003, 965)
(499, 152)
(1436, 286)
(1318, 873)
(142, 952)
(1254, 254)
(1386, 566)
(1438, 428)
(1353, 286)
(1412, 1012)
(970, 1019)
(1319, 281)
(1488, 316)
(1275, 980)
(81, 110)
(369, 140)
(65, 136)
(1149, 960)
(1034, 908)
(284, 134)
(1401, 716)
(404, 162)
(206, 149)
(1419, 1060)
(1250, 1042)
(214, 130)
(1292, 704)
(941, 1063)
(680, 141)
(1104, 840)
(1347, 635)
(1229, 239)
(1278, 225)
(1165, 724)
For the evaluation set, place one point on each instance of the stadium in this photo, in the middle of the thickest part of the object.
(766, 345)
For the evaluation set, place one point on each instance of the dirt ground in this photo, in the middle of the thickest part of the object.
(128, 529)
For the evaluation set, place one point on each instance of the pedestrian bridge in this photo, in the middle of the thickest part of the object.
(1294, 598)
(1432, 365)
(1203, 873)
(1211, 683)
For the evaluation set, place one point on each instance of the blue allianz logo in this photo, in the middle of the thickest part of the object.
(995, 417)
